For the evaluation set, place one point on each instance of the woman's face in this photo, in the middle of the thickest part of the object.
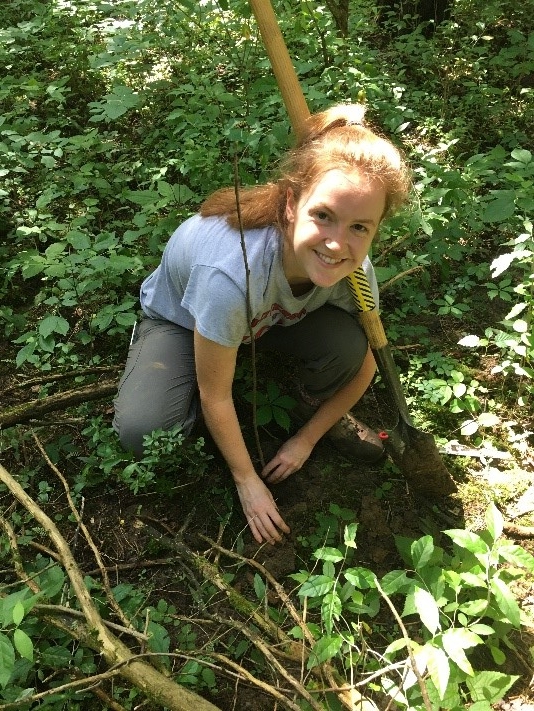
(331, 227)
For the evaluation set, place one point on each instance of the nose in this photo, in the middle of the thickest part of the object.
(336, 241)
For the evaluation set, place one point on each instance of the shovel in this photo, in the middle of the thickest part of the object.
(414, 452)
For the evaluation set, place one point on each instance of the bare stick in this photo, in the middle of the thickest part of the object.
(35, 408)
(249, 315)
(420, 680)
(142, 675)
(103, 572)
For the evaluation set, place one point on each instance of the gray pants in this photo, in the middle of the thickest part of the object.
(158, 389)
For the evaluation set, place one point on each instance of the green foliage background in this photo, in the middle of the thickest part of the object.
(118, 118)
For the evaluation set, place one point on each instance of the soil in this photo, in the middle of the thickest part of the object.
(133, 533)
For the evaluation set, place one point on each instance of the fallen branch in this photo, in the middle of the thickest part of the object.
(54, 377)
(145, 677)
(286, 647)
(17, 414)
(514, 529)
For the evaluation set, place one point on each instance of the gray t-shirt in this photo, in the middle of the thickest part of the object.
(201, 282)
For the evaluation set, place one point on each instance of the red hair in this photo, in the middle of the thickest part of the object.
(335, 139)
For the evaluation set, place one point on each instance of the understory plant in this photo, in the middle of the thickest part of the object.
(454, 615)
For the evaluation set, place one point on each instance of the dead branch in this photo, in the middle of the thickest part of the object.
(413, 663)
(388, 284)
(54, 377)
(142, 675)
(17, 414)
(270, 657)
(103, 572)
(514, 529)
(288, 648)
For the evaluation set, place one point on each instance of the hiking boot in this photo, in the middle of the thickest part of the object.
(350, 437)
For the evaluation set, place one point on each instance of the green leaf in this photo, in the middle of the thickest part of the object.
(499, 657)
(522, 155)
(505, 601)
(78, 240)
(427, 609)
(494, 520)
(281, 417)
(51, 581)
(516, 555)
(208, 676)
(324, 649)
(349, 535)
(362, 578)
(421, 551)
(23, 644)
(481, 629)
(158, 637)
(331, 554)
(490, 686)
(53, 324)
(474, 608)
(501, 208)
(455, 641)
(259, 587)
(141, 197)
(18, 613)
(488, 419)
(264, 415)
(331, 609)
(439, 668)
(7, 660)
(395, 581)
(316, 586)
(468, 540)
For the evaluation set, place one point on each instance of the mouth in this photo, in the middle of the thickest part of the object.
(325, 259)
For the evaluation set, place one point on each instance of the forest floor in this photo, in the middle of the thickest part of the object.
(383, 506)
(131, 530)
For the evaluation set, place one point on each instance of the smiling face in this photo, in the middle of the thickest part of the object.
(330, 228)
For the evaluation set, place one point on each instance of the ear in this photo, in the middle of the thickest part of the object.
(290, 206)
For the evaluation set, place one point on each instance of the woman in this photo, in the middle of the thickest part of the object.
(304, 233)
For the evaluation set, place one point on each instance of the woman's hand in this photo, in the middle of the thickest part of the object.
(289, 459)
(261, 511)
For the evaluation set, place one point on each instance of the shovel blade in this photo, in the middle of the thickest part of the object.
(416, 455)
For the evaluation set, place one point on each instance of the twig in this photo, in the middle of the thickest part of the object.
(70, 612)
(383, 254)
(514, 529)
(142, 675)
(132, 566)
(17, 558)
(81, 526)
(35, 408)
(284, 597)
(53, 377)
(388, 284)
(249, 315)
(420, 680)
(347, 695)
(79, 684)
(273, 661)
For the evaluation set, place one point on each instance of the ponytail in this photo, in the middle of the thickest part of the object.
(335, 139)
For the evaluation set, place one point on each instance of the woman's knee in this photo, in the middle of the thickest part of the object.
(132, 429)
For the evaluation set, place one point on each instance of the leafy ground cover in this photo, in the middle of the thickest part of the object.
(117, 119)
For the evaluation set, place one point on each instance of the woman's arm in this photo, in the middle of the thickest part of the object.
(292, 455)
(215, 366)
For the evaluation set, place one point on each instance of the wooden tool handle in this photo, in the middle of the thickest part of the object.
(281, 63)
(298, 111)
